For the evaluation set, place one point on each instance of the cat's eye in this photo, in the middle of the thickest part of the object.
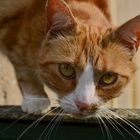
(67, 71)
(108, 79)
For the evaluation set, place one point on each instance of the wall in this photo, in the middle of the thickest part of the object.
(9, 92)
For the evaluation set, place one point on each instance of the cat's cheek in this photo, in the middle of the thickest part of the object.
(108, 94)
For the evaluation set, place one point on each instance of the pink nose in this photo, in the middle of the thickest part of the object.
(82, 106)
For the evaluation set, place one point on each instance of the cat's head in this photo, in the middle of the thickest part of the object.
(84, 66)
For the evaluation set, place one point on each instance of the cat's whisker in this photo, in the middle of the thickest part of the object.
(62, 115)
(22, 117)
(70, 106)
(65, 102)
(55, 117)
(45, 115)
(37, 121)
(115, 121)
(124, 128)
(68, 101)
(106, 128)
(14, 123)
(109, 120)
(133, 126)
(56, 122)
(100, 124)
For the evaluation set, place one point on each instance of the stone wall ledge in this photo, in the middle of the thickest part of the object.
(14, 113)
(17, 125)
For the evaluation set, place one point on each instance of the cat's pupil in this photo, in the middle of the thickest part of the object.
(67, 71)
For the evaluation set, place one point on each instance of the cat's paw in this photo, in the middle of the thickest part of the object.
(35, 105)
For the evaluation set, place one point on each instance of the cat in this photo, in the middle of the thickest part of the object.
(72, 47)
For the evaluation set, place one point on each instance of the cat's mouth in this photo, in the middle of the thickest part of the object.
(85, 112)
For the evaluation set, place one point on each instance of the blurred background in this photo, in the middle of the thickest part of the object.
(122, 10)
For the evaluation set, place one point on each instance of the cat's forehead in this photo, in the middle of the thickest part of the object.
(78, 47)
(86, 43)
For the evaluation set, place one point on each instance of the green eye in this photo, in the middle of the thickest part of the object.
(67, 71)
(108, 79)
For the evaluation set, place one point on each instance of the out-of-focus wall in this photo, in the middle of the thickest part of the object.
(124, 10)
(9, 92)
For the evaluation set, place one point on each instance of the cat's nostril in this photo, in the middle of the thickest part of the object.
(82, 106)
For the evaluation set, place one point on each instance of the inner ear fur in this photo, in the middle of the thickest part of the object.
(129, 34)
(60, 19)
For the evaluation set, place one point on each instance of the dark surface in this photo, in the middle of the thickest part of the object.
(13, 123)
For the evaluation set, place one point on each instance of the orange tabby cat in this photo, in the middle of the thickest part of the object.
(71, 47)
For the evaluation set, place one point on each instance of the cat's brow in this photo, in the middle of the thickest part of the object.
(58, 62)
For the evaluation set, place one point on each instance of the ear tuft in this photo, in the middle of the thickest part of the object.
(59, 18)
(129, 34)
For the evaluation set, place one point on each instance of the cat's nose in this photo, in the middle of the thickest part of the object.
(82, 106)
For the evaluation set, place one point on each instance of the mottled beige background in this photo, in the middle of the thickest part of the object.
(9, 92)
(122, 10)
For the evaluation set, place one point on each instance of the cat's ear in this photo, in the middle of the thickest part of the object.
(59, 18)
(129, 34)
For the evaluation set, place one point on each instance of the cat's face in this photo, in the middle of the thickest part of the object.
(85, 74)
(85, 69)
